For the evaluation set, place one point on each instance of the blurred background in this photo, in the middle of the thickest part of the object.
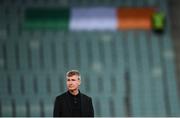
(127, 73)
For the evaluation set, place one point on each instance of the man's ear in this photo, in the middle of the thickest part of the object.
(79, 82)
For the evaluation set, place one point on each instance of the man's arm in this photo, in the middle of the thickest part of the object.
(57, 112)
(91, 109)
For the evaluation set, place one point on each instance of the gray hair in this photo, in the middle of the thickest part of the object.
(73, 72)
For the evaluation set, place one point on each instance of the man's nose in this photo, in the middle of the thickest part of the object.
(70, 82)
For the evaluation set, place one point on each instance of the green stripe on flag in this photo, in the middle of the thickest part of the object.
(47, 18)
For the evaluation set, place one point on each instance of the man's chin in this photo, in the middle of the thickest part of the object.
(71, 90)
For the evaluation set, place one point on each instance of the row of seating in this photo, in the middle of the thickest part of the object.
(40, 107)
(15, 85)
(52, 53)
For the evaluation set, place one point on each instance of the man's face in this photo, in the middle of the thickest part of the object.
(73, 82)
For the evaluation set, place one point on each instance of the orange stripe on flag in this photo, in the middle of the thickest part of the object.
(134, 18)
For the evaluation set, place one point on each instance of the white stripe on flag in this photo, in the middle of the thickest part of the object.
(97, 18)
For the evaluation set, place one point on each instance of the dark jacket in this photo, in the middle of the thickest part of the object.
(62, 106)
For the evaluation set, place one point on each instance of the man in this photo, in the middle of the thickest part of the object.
(73, 103)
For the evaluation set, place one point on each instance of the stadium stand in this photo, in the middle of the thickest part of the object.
(127, 73)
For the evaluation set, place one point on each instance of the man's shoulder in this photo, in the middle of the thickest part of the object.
(61, 95)
(85, 96)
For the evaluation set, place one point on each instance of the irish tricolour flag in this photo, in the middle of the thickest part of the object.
(93, 18)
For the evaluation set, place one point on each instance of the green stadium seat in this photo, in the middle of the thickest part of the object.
(134, 80)
(171, 83)
(146, 76)
(6, 108)
(20, 107)
(157, 76)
